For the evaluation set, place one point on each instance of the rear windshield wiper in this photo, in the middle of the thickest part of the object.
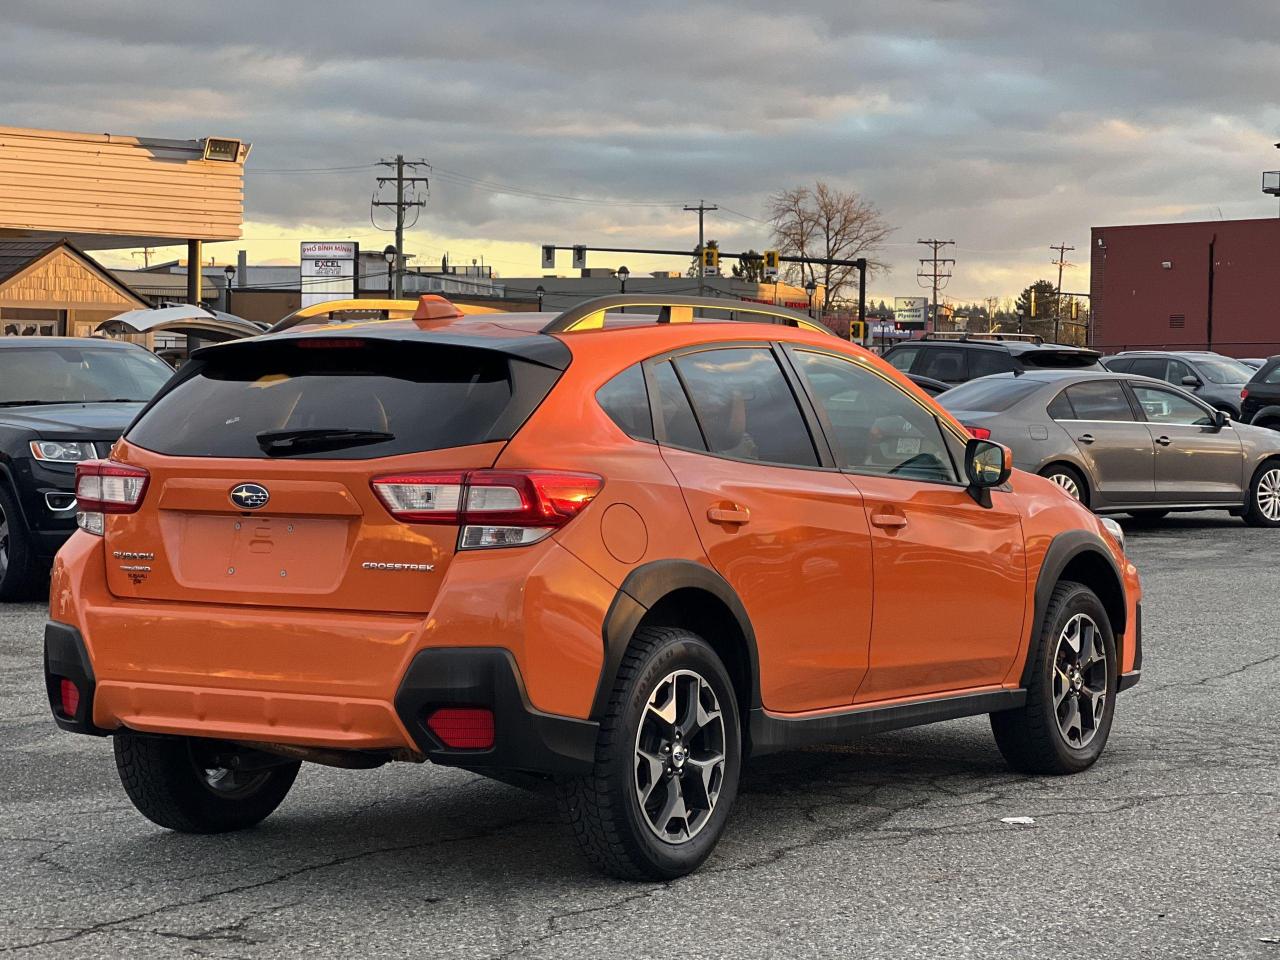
(279, 443)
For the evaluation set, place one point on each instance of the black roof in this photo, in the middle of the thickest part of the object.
(1008, 346)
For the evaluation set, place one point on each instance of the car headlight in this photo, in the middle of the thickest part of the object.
(1113, 528)
(62, 451)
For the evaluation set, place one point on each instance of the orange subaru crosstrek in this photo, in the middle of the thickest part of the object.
(613, 552)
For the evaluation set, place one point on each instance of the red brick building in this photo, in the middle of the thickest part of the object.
(1188, 286)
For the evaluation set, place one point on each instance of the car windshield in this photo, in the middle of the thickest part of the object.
(989, 394)
(1225, 371)
(75, 373)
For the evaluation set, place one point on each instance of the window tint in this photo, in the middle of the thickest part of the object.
(989, 396)
(1060, 407)
(77, 374)
(1272, 374)
(626, 401)
(902, 357)
(983, 363)
(373, 399)
(1099, 400)
(876, 428)
(745, 406)
(674, 412)
(1165, 406)
(1224, 371)
(945, 364)
(1119, 366)
(1155, 367)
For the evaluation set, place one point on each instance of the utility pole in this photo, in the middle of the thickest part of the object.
(701, 209)
(401, 205)
(992, 304)
(1062, 249)
(937, 270)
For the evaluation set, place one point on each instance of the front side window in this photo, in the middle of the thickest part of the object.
(876, 428)
(1099, 400)
(745, 406)
(1165, 406)
(1156, 368)
(1179, 371)
(1225, 371)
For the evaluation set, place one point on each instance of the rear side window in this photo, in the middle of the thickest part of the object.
(679, 428)
(983, 363)
(1119, 366)
(1099, 400)
(361, 400)
(1060, 407)
(745, 406)
(945, 364)
(1154, 367)
(626, 401)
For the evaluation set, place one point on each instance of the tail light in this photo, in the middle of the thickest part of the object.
(104, 486)
(495, 508)
(978, 433)
(1244, 394)
(463, 728)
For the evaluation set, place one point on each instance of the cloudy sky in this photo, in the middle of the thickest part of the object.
(1007, 125)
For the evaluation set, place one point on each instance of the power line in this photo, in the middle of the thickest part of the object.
(938, 273)
(361, 166)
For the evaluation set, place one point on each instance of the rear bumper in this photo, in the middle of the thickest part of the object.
(526, 739)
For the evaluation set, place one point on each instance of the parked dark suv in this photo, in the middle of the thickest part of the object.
(959, 358)
(1215, 379)
(62, 400)
(1260, 397)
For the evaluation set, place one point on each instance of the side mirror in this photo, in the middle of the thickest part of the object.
(986, 464)
(1220, 419)
(1191, 381)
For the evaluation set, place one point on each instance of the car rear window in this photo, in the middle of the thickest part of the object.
(988, 395)
(350, 400)
(1059, 359)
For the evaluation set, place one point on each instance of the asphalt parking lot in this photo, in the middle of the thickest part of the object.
(895, 847)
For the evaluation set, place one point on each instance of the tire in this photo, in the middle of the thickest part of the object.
(1263, 508)
(169, 781)
(18, 573)
(1037, 737)
(1070, 479)
(614, 826)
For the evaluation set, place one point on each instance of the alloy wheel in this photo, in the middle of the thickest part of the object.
(1080, 681)
(680, 756)
(1268, 494)
(1067, 483)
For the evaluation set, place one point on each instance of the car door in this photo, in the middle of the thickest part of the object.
(785, 529)
(950, 575)
(1113, 443)
(1195, 460)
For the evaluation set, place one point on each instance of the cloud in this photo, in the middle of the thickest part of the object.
(1006, 125)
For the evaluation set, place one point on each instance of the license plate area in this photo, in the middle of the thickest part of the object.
(261, 553)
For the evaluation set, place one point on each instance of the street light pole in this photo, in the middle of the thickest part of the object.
(390, 254)
(230, 273)
(541, 291)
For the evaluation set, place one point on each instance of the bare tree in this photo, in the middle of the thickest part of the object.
(821, 221)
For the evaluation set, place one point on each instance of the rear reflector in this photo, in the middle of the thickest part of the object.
(68, 698)
(497, 508)
(463, 728)
(978, 433)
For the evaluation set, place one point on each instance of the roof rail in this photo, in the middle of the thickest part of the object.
(590, 314)
(428, 306)
(965, 335)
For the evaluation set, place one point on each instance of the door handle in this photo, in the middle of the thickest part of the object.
(1085, 438)
(888, 521)
(1163, 441)
(731, 515)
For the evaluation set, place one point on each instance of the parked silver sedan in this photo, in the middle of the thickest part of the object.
(1125, 443)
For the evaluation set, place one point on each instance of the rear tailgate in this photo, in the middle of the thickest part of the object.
(261, 454)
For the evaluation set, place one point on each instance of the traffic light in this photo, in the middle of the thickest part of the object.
(771, 263)
(579, 257)
(857, 331)
(1033, 302)
(710, 262)
(548, 256)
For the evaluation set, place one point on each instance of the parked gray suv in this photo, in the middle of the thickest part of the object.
(1124, 443)
(1215, 379)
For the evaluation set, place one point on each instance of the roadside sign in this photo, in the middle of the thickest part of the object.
(328, 270)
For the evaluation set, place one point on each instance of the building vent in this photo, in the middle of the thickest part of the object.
(1177, 321)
